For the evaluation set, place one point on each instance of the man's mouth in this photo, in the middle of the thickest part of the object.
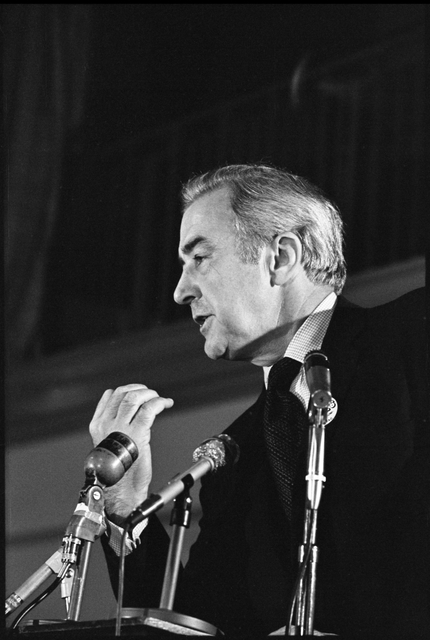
(201, 319)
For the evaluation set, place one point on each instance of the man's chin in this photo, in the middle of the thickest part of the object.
(214, 352)
(219, 351)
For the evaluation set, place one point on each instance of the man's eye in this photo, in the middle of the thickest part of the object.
(198, 259)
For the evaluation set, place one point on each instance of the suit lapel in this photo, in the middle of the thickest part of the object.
(342, 345)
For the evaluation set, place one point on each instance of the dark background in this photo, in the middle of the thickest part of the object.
(94, 92)
(152, 64)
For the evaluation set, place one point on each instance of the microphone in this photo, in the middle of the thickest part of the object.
(49, 567)
(109, 461)
(317, 369)
(212, 454)
(104, 466)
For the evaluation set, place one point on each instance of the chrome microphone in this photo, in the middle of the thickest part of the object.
(317, 369)
(212, 454)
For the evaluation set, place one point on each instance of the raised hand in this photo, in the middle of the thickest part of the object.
(132, 410)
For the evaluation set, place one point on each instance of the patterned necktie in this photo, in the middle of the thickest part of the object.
(284, 429)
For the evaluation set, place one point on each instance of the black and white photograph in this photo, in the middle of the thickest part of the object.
(217, 386)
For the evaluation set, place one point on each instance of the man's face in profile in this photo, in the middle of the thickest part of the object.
(231, 300)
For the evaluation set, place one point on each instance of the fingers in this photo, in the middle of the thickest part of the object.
(102, 403)
(111, 403)
(134, 401)
(151, 408)
(116, 399)
(129, 403)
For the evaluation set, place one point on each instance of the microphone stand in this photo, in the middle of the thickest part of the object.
(304, 596)
(70, 562)
(109, 461)
(179, 521)
(86, 525)
(164, 617)
(209, 456)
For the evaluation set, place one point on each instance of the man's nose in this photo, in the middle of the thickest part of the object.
(186, 291)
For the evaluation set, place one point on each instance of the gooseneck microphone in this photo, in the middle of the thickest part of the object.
(317, 369)
(212, 454)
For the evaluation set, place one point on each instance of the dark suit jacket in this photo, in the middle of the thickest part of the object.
(373, 522)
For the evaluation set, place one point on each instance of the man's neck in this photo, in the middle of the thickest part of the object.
(291, 317)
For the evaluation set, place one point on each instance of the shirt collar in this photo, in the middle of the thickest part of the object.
(311, 333)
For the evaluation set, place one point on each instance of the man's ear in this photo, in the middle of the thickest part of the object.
(285, 257)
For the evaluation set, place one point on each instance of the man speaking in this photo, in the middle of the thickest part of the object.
(262, 273)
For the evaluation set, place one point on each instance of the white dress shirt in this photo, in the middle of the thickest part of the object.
(309, 337)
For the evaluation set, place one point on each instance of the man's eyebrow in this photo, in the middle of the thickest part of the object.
(189, 246)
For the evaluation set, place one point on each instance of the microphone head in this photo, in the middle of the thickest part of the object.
(109, 461)
(316, 359)
(317, 369)
(220, 449)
